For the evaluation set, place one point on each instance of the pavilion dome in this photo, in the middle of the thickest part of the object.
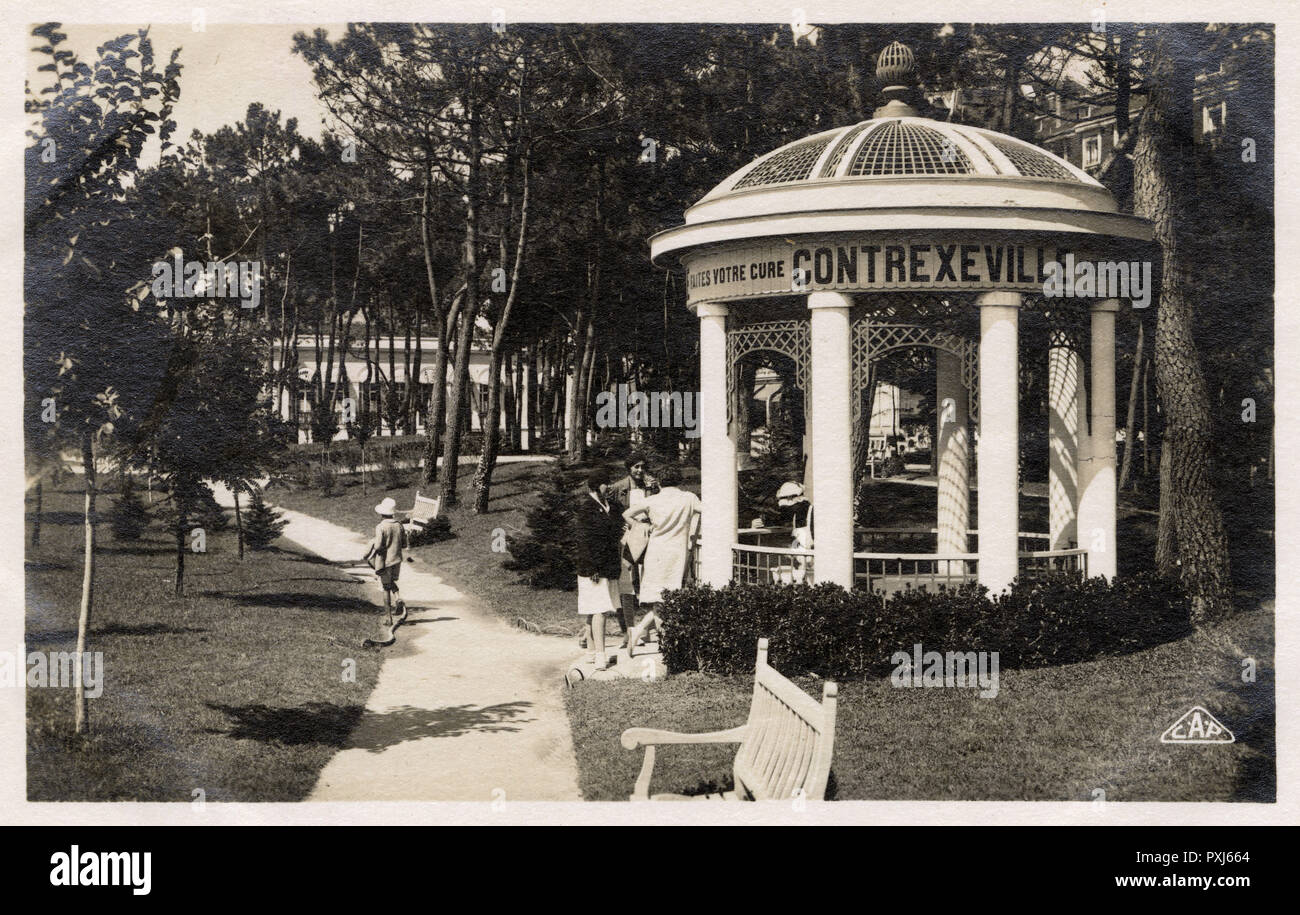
(900, 172)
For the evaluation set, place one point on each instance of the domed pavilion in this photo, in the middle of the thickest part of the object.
(903, 232)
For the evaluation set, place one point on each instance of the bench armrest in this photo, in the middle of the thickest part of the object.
(651, 737)
(646, 737)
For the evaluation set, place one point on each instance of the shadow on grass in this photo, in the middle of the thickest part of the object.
(299, 555)
(1257, 774)
(379, 730)
(68, 635)
(251, 589)
(57, 517)
(30, 566)
(316, 722)
(137, 549)
(327, 602)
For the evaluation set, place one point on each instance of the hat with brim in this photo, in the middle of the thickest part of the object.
(789, 493)
(386, 507)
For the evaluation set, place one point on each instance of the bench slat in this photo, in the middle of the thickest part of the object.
(791, 742)
(803, 704)
(782, 734)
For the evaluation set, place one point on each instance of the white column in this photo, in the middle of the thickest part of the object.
(953, 515)
(1066, 422)
(832, 428)
(1097, 464)
(717, 449)
(999, 439)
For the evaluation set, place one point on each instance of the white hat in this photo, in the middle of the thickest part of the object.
(789, 493)
(386, 507)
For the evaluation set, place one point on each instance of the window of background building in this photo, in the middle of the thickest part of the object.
(1213, 117)
(1092, 151)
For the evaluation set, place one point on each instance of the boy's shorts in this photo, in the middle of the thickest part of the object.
(388, 577)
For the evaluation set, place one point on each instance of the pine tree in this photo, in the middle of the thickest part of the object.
(262, 524)
(129, 516)
(545, 554)
(780, 463)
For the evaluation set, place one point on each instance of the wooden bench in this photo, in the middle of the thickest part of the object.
(785, 746)
(420, 514)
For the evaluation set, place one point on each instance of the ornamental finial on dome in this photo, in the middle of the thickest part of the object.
(895, 69)
(895, 63)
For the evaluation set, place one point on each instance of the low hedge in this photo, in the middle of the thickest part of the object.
(826, 631)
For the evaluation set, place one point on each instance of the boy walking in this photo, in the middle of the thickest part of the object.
(385, 557)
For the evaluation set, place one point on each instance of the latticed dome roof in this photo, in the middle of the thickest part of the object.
(902, 147)
(901, 174)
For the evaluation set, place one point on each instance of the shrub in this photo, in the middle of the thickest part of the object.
(827, 631)
(129, 516)
(262, 524)
(545, 553)
(324, 478)
(324, 423)
(207, 513)
(437, 529)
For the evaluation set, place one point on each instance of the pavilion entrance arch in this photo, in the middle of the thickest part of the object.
(849, 244)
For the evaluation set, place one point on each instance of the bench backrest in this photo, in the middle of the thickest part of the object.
(425, 510)
(789, 738)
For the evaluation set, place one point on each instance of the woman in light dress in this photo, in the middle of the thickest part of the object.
(674, 516)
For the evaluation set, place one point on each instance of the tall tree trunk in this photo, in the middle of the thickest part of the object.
(572, 391)
(433, 418)
(81, 721)
(469, 314)
(407, 397)
(1166, 535)
(492, 420)
(1146, 419)
(1138, 357)
(1165, 194)
(36, 519)
(390, 396)
(239, 522)
(179, 589)
(532, 412)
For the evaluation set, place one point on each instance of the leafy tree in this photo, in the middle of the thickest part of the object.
(90, 351)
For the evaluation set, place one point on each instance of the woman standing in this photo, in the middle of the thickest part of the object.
(598, 537)
(674, 516)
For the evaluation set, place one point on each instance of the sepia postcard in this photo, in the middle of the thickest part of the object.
(529, 413)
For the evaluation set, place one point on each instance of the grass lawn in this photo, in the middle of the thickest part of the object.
(466, 561)
(236, 689)
(1050, 734)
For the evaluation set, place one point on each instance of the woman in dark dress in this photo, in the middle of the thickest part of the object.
(598, 537)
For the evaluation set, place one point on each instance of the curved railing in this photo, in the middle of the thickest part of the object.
(770, 564)
(890, 572)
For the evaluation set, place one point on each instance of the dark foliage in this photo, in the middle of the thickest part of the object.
(545, 554)
(262, 524)
(827, 631)
(129, 515)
